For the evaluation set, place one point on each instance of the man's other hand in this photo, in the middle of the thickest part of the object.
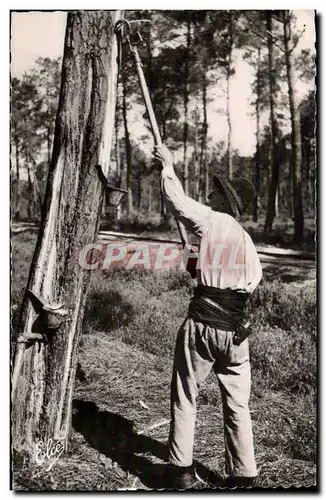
(163, 156)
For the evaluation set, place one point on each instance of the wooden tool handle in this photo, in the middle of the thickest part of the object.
(147, 99)
(154, 125)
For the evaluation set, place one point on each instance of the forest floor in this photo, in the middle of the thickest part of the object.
(122, 387)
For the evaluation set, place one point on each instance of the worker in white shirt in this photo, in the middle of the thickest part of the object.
(228, 270)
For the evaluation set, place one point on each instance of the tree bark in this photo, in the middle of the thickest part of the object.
(186, 111)
(197, 163)
(49, 144)
(203, 149)
(17, 205)
(257, 155)
(42, 401)
(295, 132)
(37, 194)
(274, 178)
(33, 195)
(139, 190)
(127, 144)
(117, 154)
(150, 198)
(30, 189)
(228, 109)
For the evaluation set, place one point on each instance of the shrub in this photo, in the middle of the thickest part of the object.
(284, 360)
(106, 310)
(283, 306)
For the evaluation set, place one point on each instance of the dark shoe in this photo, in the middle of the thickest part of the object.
(233, 482)
(216, 480)
(181, 478)
(169, 477)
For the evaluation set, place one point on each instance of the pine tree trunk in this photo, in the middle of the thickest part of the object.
(196, 159)
(229, 143)
(274, 178)
(203, 152)
(139, 191)
(257, 155)
(32, 188)
(118, 175)
(37, 195)
(42, 392)
(307, 195)
(205, 164)
(127, 145)
(295, 132)
(164, 216)
(310, 190)
(228, 110)
(206, 192)
(30, 193)
(49, 144)
(150, 198)
(186, 111)
(17, 206)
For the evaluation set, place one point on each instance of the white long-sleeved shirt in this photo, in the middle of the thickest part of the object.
(227, 255)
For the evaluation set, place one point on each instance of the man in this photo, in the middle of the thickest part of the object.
(228, 271)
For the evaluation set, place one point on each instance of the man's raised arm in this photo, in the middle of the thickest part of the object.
(191, 213)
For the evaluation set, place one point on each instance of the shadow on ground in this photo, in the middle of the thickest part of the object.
(114, 436)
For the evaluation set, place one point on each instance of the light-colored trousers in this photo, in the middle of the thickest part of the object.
(200, 348)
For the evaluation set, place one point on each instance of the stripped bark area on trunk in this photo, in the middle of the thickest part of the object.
(41, 406)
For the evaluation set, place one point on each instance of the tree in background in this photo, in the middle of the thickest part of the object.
(15, 122)
(307, 109)
(290, 40)
(274, 178)
(255, 53)
(46, 77)
(34, 101)
(25, 142)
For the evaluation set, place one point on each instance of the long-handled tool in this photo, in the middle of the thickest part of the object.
(132, 42)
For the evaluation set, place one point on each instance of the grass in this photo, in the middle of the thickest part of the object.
(130, 325)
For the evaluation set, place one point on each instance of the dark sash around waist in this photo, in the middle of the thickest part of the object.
(233, 301)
